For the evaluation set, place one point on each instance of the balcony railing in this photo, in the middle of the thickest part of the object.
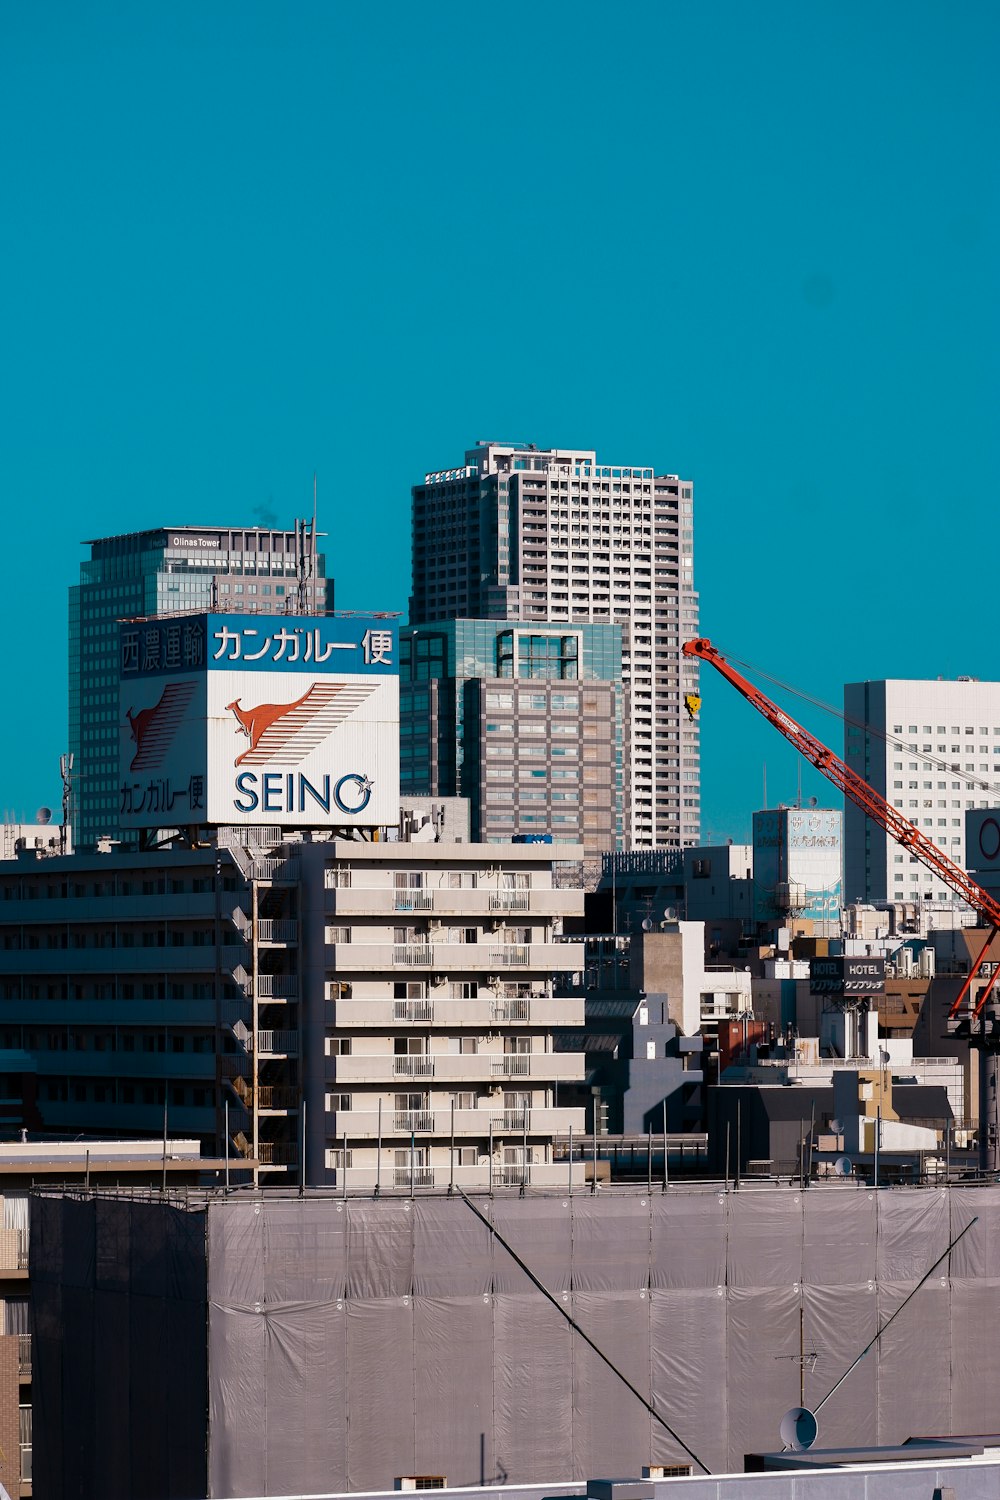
(276, 1154)
(413, 1010)
(510, 954)
(413, 901)
(510, 901)
(276, 1096)
(279, 1043)
(408, 954)
(510, 1119)
(511, 1174)
(413, 1067)
(510, 1010)
(417, 1176)
(24, 1354)
(13, 1249)
(277, 930)
(277, 986)
(512, 1065)
(413, 1120)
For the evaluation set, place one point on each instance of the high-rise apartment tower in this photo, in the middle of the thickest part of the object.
(521, 533)
(171, 570)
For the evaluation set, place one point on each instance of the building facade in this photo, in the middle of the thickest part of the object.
(167, 571)
(519, 533)
(380, 1003)
(524, 721)
(932, 749)
(797, 864)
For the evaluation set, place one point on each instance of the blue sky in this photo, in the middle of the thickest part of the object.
(753, 245)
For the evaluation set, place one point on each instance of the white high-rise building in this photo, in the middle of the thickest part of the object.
(932, 749)
(551, 535)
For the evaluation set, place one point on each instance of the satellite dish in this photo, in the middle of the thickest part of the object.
(798, 1429)
(843, 1166)
(647, 925)
(670, 913)
(43, 815)
(837, 1126)
(813, 801)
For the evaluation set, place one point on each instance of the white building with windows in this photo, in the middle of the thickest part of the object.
(552, 535)
(932, 749)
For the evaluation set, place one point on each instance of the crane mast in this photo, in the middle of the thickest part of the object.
(874, 806)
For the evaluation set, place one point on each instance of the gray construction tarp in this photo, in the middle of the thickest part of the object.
(352, 1341)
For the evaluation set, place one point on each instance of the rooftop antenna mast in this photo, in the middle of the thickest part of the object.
(66, 774)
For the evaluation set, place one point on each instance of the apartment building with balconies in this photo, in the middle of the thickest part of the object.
(434, 1051)
(317, 1009)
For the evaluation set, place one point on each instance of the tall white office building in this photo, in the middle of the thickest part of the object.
(516, 532)
(932, 749)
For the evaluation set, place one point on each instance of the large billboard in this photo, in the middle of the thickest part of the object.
(289, 720)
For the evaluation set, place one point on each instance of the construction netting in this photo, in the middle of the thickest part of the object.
(352, 1342)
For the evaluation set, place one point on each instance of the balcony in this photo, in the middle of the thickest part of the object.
(484, 1012)
(277, 1043)
(13, 1250)
(484, 901)
(483, 1176)
(24, 1355)
(365, 1124)
(447, 1067)
(277, 930)
(277, 1154)
(452, 958)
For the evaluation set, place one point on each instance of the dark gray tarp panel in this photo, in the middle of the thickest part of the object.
(913, 1230)
(452, 1250)
(379, 1247)
(837, 1322)
(978, 1253)
(380, 1392)
(532, 1400)
(914, 1360)
(765, 1239)
(611, 1251)
(305, 1348)
(688, 1360)
(688, 1239)
(239, 1403)
(305, 1251)
(762, 1350)
(975, 1355)
(618, 1323)
(541, 1231)
(453, 1388)
(119, 1369)
(838, 1242)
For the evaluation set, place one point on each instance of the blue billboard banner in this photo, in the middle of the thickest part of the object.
(315, 644)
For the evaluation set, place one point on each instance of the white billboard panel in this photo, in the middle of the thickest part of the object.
(283, 720)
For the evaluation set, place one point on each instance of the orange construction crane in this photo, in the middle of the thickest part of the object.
(905, 833)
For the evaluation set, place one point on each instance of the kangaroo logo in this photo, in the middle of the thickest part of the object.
(290, 732)
(153, 729)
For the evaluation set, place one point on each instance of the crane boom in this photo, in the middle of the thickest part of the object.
(872, 804)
